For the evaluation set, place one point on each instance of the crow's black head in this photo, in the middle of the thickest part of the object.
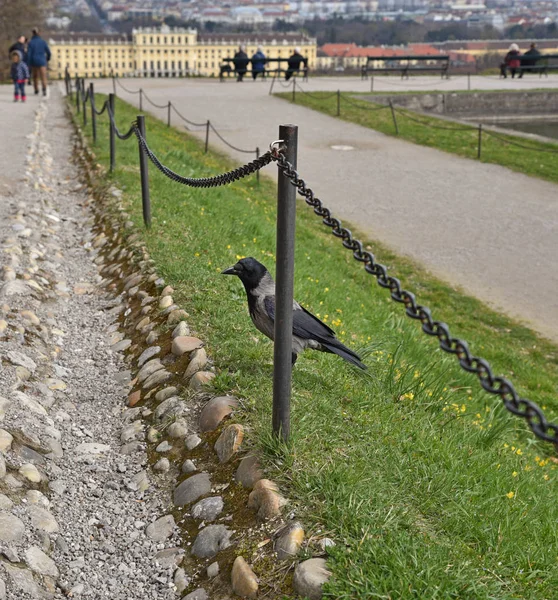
(249, 270)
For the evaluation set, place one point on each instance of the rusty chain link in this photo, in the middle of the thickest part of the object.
(500, 386)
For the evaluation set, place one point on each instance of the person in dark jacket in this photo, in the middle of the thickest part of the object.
(293, 65)
(529, 60)
(240, 61)
(258, 64)
(20, 74)
(511, 62)
(20, 47)
(38, 55)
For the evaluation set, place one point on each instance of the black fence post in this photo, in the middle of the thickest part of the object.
(169, 114)
(294, 89)
(112, 136)
(394, 118)
(338, 102)
(84, 100)
(258, 171)
(141, 99)
(113, 83)
(207, 126)
(144, 172)
(78, 92)
(479, 150)
(93, 114)
(371, 83)
(283, 347)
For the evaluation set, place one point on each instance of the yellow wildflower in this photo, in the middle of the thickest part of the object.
(510, 495)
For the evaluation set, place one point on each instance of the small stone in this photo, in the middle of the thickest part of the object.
(163, 447)
(29, 315)
(199, 594)
(141, 481)
(42, 520)
(161, 529)
(162, 465)
(181, 329)
(121, 345)
(289, 541)
(228, 443)
(153, 435)
(170, 558)
(150, 367)
(178, 430)
(3, 327)
(56, 385)
(208, 509)
(188, 466)
(156, 379)
(181, 580)
(30, 472)
(131, 432)
(211, 540)
(213, 570)
(165, 302)
(23, 374)
(143, 324)
(167, 291)
(309, 577)
(131, 448)
(165, 393)
(200, 380)
(151, 338)
(22, 580)
(148, 354)
(326, 543)
(77, 590)
(244, 581)
(5, 502)
(39, 562)
(18, 358)
(11, 528)
(192, 441)
(2, 467)
(191, 489)
(198, 361)
(176, 316)
(215, 411)
(134, 398)
(6, 440)
(91, 448)
(171, 407)
(183, 344)
(36, 497)
(248, 472)
(266, 499)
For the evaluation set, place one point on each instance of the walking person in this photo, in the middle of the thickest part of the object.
(258, 64)
(240, 61)
(20, 46)
(20, 74)
(38, 55)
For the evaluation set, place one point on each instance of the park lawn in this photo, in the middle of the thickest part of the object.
(428, 486)
(534, 158)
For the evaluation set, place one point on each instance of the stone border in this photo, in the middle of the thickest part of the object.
(190, 434)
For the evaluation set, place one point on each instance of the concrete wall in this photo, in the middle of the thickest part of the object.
(481, 104)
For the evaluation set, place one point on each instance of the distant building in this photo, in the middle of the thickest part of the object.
(165, 52)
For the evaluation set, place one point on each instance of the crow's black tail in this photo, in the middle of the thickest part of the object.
(336, 347)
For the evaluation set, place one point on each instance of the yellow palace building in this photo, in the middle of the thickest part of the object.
(164, 52)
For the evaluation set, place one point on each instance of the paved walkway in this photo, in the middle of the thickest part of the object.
(482, 227)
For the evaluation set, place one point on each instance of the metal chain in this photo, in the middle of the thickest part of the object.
(121, 136)
(125, 89)
(187, 120)
(227, 143)
(408, 116)
(506, 141)
(100, 112)
(205, 182)
(153, 103)
(473, 364)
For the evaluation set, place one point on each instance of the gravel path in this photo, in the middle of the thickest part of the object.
(478, 226)
(73, 508)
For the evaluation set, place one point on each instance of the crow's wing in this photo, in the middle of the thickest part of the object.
(305, 324)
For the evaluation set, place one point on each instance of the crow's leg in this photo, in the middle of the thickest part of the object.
(293, 358)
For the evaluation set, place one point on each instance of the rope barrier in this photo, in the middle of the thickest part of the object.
(353, 103)
(121, 136)
(512, 143)
(405, 114)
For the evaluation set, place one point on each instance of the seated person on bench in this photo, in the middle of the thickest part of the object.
(293, 65)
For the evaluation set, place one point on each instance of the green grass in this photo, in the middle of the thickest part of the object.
(464, 143)
(428, 486)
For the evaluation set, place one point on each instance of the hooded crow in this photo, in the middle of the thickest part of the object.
(308, 330)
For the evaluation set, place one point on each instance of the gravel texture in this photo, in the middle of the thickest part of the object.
(74, 510)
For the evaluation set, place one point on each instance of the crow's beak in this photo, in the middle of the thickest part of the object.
(229, 271)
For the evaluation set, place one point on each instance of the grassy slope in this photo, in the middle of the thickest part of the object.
(429, 487)
(463, 143)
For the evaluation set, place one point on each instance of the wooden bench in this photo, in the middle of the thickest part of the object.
(541, 64)
(407, 65)
(228, 68)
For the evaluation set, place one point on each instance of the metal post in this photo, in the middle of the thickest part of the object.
(394, 119)
(112, 135)
(78, 88)
(468, 81)
(258, 171)
(145, 201)
(207, 126)
(480, 142)
(371, 83)
(284, 274)
(294, 90)
(338, 102)
(93, 114)
(169, 114)
(84, 100)
(141, 99)
(113, 84)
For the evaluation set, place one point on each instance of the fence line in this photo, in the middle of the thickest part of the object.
(284, 154)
